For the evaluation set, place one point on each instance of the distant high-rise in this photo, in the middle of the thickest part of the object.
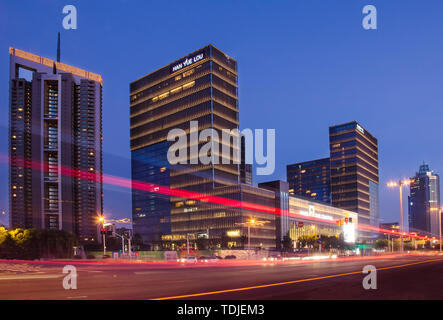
(310, 179)
(55, 145)
(424, 201)
(354, 171)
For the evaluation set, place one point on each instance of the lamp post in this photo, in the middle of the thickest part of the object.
(102, 222)
(252, 222)
(439, 223)
(400, 185)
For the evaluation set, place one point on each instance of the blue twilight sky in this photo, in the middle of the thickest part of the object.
(303, 65)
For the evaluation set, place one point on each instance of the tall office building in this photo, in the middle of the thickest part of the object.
(354, 171)
(55, 145)
(201, 86)
(310, 179)
(424, 201)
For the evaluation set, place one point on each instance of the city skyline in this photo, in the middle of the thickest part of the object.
(385, 129)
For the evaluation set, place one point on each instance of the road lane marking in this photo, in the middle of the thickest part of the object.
(31, 277)
(289, 282)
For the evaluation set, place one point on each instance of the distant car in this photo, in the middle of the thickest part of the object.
(303, 252)
(209, 259)
(230, 257)
(188, 259)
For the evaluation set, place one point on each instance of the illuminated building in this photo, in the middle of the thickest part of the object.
(281, 203)
(55, 125)
(201, 86)
(354, 171)
(424, 201)
(310, 217)
(391, 226)
(311, 179)
(348, 179)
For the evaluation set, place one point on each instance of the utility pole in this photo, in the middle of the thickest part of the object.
(400, 185)
(102, 221)
(401, 217)
(439, 223)
(129, 247)
(187, 242)
(249, 240)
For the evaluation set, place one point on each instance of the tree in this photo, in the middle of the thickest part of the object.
(32, 244)
(243, 240)
(381, 244)
(224, 239)
(286, 243)
(137, 242)
(202, 243)
(306, 241)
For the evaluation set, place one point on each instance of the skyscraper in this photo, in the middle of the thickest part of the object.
(354, 171)
(424, 201)
(55, 145)
(202, 86)
(311, 179)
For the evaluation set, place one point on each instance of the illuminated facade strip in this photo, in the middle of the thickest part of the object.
(60, 66)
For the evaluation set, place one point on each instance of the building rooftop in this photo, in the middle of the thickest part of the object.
(60, 66)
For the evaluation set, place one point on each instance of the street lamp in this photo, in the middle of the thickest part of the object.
(400, 185)
(252, 222)
(101, 220)
(440, 211)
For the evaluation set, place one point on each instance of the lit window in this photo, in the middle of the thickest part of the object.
(176, 90)
(163, 96)
(188, 73)
(188, 85)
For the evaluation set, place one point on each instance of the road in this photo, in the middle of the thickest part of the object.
(398, 277)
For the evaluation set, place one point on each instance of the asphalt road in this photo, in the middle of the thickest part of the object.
(401, 277)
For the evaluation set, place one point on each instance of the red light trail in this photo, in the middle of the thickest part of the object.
(154, 188)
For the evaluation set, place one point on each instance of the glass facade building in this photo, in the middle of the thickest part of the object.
(424, 202)
(152, 210)
(202, 87)
(310, 179)
(354, 171)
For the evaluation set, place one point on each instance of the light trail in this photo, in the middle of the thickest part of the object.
(155, 188)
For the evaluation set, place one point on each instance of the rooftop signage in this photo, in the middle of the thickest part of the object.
(187, 62)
